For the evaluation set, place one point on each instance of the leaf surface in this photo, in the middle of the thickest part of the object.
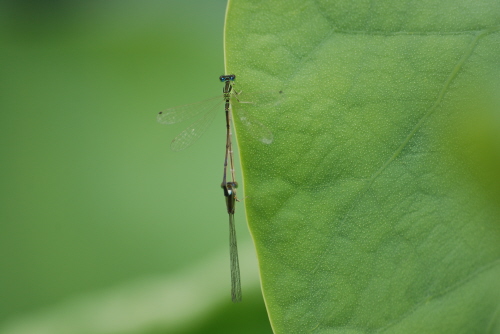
(375, 209)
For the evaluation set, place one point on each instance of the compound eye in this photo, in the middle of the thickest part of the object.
(232, 77)
(222, 78)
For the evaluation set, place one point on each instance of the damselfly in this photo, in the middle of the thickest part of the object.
(187, 137)
(229, 189)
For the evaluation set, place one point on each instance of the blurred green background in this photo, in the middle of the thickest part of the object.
(92, 198)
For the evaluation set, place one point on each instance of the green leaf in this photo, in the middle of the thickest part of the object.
(376, 208)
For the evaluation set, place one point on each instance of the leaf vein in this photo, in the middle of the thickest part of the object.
(451, 288)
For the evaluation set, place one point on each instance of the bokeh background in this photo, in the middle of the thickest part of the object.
(97, 214)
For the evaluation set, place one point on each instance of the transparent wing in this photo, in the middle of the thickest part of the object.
(235, 265)
(256, 129)
(249, 100)
(187, 111)
(261, 98)
(193, 132)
